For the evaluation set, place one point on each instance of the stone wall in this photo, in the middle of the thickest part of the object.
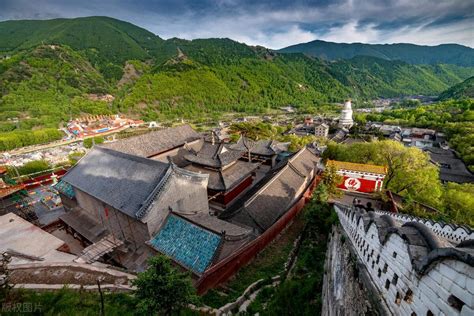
(182, 192)
(451, 232)
(119, 224)
(346, 288)
(414, 271)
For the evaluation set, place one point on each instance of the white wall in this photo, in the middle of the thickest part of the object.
(389, 264)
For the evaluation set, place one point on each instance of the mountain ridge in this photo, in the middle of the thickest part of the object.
(412, 53)
(43, 85)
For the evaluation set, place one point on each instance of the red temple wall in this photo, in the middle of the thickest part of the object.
(226, 198)
(225, 269)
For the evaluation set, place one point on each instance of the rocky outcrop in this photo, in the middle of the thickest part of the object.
(346, 289)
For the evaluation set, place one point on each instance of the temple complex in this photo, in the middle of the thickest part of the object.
(126, 202)
(228, 175)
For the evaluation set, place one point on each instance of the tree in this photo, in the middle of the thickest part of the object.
(329, 184)
(409, 171)
(162, 289)
(459, 202)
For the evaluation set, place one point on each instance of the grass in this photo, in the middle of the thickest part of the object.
(269, 263)
(66, 302)
(301, 294)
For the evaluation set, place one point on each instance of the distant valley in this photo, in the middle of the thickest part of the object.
(52, 70)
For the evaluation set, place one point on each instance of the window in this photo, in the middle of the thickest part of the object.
(387, 284)
(398, 298)
(455, 302)
(385, 268)
(378, 259)
(379, 273)
(395, 279)
(429, 313)
(408, 296)
(394, 254)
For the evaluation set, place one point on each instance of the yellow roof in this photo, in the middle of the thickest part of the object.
(357, 166)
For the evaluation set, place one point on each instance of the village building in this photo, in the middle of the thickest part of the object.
(27, 243)
(451, 168)
(363, 178)
(7, 191)
(321, 130)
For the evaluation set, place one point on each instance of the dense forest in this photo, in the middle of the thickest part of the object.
(53, 70)
(463, 90)
(410, 53)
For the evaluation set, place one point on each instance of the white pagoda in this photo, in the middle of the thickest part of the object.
(345, 121)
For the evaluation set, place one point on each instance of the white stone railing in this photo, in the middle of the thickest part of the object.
(453, 233)
(412, 279)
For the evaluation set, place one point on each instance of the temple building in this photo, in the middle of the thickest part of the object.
(228, 175)
(126, 208)
(113, 195)
(267, 202)
(357, 177)
(345, 121)
(263, 151)
(158, 145)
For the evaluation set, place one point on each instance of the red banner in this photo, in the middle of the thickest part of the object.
(358, 184)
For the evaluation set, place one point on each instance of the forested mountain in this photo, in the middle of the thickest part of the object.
(50, 71)
(410, 53)
(461, 90)
(106, 42)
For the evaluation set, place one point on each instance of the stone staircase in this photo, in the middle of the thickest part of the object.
(95, 251)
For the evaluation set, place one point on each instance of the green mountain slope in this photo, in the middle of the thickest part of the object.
(42, 85)
(370, 77)
(461, 90)
(107, 42)
(410, 53)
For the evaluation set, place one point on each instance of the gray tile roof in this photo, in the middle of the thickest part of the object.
(216, 225)
(222, 180)
(260, 147)
(153, 143)
(451, 168)
(82, 224)
(120, 180)
(214, 155)
(276, 197)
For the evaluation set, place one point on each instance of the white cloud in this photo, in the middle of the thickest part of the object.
(279, 24)
(350, 33)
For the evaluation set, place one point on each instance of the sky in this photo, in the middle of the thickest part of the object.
(274, 23)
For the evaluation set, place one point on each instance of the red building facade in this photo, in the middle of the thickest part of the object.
(362, 178)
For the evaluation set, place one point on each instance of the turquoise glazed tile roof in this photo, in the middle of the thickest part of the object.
(65, 188)
(188, 244)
